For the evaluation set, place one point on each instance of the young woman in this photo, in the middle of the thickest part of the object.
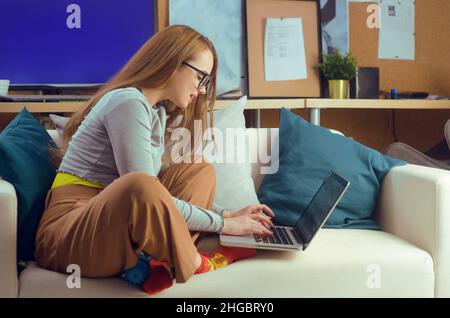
(110, 201)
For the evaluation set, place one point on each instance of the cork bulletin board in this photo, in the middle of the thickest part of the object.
(430, 71)
(257, 12)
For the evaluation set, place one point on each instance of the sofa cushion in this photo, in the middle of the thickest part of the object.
(26, 165)
(413, 156)
(307, 153)
(339, 263)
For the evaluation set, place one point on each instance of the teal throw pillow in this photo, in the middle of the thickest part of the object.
(307, 153)
(25, 163)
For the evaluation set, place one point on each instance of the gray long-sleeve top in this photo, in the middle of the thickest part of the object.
(123, 133)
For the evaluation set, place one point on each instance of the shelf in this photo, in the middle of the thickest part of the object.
(33, 107)
(70, 107)
(378, 103)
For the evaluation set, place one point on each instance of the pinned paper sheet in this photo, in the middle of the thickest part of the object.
(397, 39)
(284, 50)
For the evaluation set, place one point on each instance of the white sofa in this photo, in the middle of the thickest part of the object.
(409, 258)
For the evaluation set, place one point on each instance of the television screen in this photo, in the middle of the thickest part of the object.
(70, 42)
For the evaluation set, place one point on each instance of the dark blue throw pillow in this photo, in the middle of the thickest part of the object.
(25, 163)
(307, 154)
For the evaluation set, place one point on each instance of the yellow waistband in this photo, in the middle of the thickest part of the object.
(63, 178)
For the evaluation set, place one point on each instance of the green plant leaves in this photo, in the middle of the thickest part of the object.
(336, 66)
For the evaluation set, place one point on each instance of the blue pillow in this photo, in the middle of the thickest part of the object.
(25, 163)
(307, 154)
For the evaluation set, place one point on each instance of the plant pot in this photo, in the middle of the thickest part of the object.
(338, 89)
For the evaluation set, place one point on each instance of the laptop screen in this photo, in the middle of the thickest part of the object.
(320, 206)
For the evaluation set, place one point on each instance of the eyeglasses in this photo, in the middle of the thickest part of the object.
(204, 82)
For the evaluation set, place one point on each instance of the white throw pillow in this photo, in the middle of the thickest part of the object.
(59, 122)
(235, 188)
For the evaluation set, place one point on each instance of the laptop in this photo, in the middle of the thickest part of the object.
(308, 224)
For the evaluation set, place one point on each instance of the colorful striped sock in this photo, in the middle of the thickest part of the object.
(222, 258)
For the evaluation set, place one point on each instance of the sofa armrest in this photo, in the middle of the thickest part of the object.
(8, 240)
(414, 205)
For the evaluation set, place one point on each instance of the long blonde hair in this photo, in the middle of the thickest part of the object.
(151, 67)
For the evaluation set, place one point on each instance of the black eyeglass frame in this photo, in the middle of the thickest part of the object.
(204, 82)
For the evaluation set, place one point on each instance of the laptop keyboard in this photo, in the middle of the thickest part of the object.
(279, 236)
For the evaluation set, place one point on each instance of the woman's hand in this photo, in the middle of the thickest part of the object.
(248, 220)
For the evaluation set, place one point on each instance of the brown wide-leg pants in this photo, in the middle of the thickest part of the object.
(104, 230)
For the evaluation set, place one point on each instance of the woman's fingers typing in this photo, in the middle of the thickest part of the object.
(248, 224)
(261, 229)
(262, 218)
(264, 208)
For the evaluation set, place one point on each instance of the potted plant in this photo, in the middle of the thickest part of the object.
(339, 70)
